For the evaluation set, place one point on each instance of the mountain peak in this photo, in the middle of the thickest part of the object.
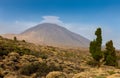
(53, 35)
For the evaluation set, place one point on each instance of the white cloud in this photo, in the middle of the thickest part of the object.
(51, 19)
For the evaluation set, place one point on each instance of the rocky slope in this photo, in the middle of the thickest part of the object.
(19, 59)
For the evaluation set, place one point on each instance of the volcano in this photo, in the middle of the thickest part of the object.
(52, 35)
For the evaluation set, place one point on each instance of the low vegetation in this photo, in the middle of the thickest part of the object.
(20, 59)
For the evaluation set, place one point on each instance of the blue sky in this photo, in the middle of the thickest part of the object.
(80, 16)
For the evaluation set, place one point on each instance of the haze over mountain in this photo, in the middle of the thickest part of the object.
(52, 35)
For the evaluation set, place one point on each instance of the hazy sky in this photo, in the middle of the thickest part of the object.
(80, 16)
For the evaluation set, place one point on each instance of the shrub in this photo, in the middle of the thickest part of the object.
(4, 51)
(23, 51)
(44, 69)
(111, 72)
(38, 54)
(29, 68)
(6, 48)
(44, 56)
(23, 41)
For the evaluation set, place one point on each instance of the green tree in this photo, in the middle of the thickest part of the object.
(98, 39)
(110, 54)
(95, 47)
(15, 38)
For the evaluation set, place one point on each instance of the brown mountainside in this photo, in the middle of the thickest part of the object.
(52, 35)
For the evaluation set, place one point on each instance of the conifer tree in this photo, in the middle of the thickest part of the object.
(15, 38)
(110, 54)
(95, 46)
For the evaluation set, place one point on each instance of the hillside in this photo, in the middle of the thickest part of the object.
(19, 59)
(52, 35)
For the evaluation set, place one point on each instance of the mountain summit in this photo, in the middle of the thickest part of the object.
(53, 35)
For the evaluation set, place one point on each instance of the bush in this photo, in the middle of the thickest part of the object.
(42, 69)
(29, 69)
(4, 50)
(23, 41)
(111, 72)
(23, 51)
(43, 56)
